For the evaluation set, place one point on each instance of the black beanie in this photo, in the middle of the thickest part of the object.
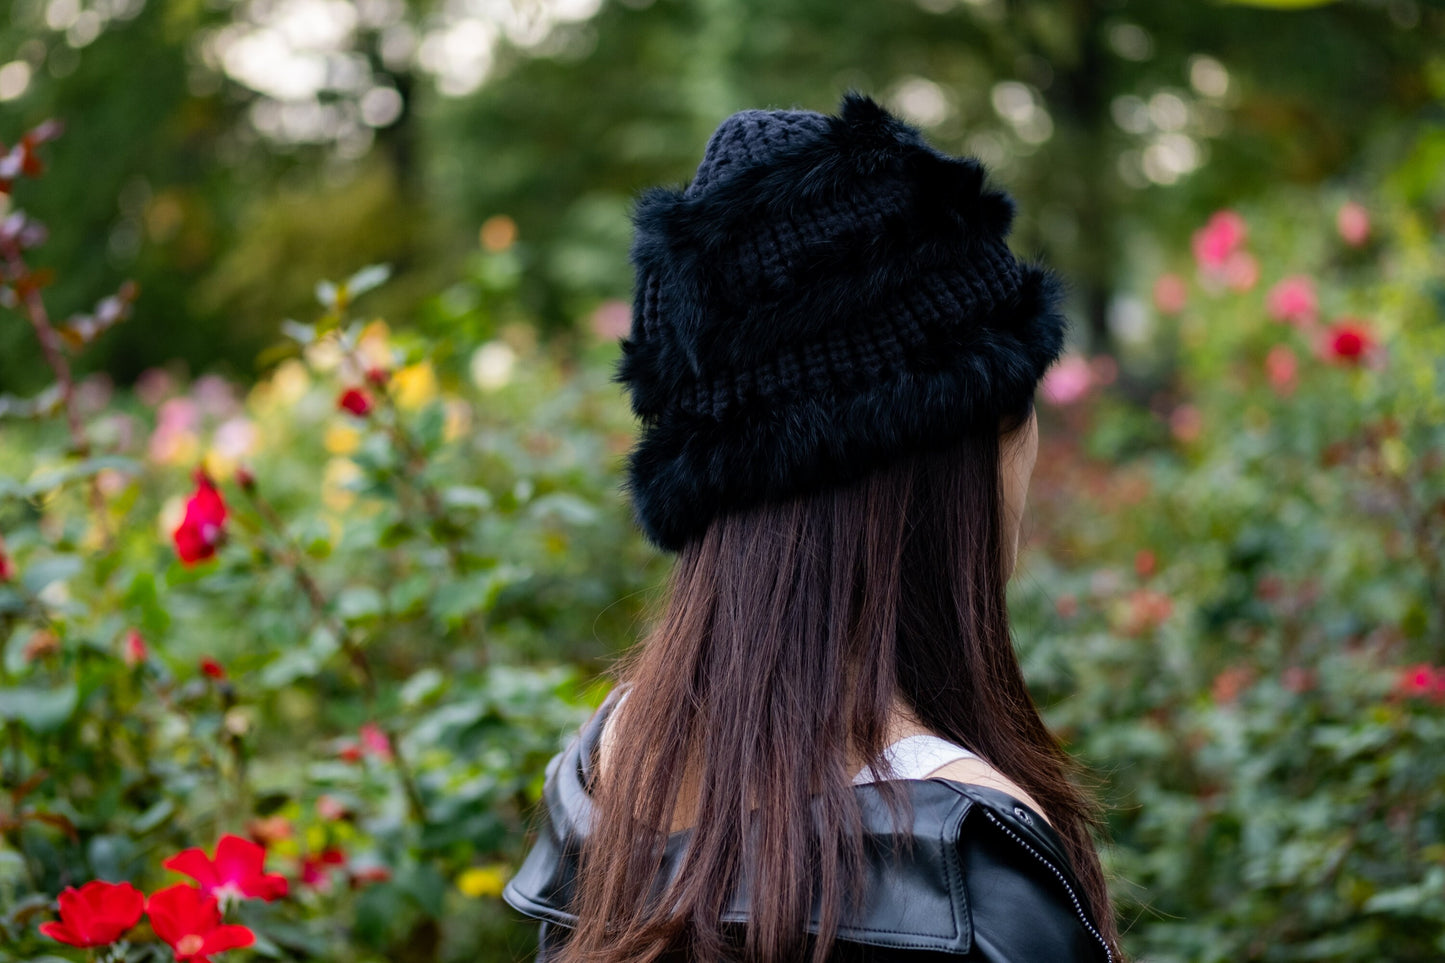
(827, 294)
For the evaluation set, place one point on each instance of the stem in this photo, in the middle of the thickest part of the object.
(291, 558)
(52, 348)
(413, 457)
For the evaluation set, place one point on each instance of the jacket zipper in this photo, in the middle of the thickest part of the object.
(1073, 897)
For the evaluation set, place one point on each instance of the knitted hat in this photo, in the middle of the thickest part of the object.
(827, 293)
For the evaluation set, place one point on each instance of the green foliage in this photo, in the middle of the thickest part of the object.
(1242, 627)
(399, 627)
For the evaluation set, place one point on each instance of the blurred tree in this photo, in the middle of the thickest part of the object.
(230, 144)
(1091, 111)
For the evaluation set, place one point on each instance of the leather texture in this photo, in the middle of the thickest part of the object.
(985, 878)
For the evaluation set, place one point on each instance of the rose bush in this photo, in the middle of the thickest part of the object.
(344, 613)
(309, 641)
(1261, 698)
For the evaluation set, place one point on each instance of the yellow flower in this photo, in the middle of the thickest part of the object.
(373, 346)
(498, 233)
(323, 355)
(289, 382)
(174, 447)
(459, 419)
(483, 880)
(1394, 455)
(218, 464)
(172, 511)
(339, 472)
(341, 439)
(414, 385)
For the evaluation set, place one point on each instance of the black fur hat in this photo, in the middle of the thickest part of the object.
(827, 293)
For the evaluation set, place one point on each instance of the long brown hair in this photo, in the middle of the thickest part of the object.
(787, 630)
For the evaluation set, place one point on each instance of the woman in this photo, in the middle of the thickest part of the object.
(824, 749)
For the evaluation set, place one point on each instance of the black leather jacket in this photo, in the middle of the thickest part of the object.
(986, 880)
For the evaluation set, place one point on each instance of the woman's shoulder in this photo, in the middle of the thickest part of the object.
(973, 771)
(971, 872)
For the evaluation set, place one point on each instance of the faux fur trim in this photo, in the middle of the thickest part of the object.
(686, 469)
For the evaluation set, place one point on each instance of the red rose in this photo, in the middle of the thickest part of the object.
(1146, 610)
(134, 648)
(270, 829)
(1353, 222)
(210, 667)
(1171, 294)
(1283, 369)
(330, 808)
(1419, 680)
(1230, 683)
(42, 643)
(203, 527)
(191, 924)
(1218, 239)
(369, 874)
(350, 751)
(1348, 341)
(236, 872)
(375, 741)
(355, 401)
(97, 914)
(1145, 562)
(1293, 300)
(315, 866)
(1298, 679)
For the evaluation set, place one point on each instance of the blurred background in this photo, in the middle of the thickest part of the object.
(309, 520)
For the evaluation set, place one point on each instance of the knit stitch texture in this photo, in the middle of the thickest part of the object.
(827, 293)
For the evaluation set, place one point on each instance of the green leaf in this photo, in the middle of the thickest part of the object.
(262, 946)
(358, 603)
(47, 481)
(368, 278)
(303, 334)
(12, 870)
(42, 710)
(313, 535)
(327, 293)
(57, 568)
(154, 815)
(41, 405)
(467, 496)
(302, 662)
(110, 855)
(565, 507)
(454, 602)
(409, 595)
(11, 601)
(431, 425)
(421, 686)
(424, 885)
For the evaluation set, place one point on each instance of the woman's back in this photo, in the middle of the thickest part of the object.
(971, 874)
(832, 357)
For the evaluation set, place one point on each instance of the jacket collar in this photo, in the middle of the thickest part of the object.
(917, 901)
